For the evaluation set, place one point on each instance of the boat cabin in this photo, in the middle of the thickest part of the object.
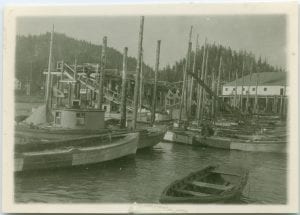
(91, 119)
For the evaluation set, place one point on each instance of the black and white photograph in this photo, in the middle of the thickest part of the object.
(167, 110)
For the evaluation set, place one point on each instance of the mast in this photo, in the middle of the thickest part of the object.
(235, 92)
(101, 73)
(256, 100)
(204, 92)
(183, 101)
(192, 78)
(123, 90)
(155, 81)
(242, 90)
(218, 81)
(138, 73)
(141, 84)
(48, 81)
(248, 93)
(200, 76)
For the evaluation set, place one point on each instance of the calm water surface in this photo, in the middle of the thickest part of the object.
(143, 178)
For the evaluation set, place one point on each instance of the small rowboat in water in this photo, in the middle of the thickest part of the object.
(209, 185)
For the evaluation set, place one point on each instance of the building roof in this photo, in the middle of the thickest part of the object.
(264, 78)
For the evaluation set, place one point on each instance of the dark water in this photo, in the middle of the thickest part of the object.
(142, 179)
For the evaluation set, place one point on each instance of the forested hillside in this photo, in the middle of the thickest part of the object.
(32, 58)
(32, 54)
(232, 63)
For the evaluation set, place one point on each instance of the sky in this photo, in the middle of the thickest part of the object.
(264, 35)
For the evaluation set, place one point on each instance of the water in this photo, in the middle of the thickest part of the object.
(143, 178)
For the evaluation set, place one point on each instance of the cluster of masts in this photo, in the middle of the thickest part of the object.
(100, 70)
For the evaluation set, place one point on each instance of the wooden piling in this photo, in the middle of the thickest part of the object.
(101, 73)
(138, 72)
(155, 82)
(123, 90)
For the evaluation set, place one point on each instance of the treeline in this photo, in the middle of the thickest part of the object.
(232, 64)
(32, 53)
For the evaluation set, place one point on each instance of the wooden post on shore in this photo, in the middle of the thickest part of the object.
(123, 90)
(155, 82)
(138, 72)
(101, 73)
(48, 81)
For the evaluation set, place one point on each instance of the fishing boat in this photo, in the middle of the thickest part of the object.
(84, 150)
(263, 145)
(180, 136)
(209, 185)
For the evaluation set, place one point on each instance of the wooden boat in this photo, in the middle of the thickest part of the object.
(89, 149)
(150, 137)
(209, 185)
(278, 146)
(180, 136)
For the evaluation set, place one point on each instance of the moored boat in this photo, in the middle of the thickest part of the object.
(263, 145)
(209, 185)
(85, 150)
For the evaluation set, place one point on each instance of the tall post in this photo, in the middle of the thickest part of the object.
(218, 81)
(123, 90)
(200, 76)
(191, 86)
(101, 72)
(256, 99)
(138, 73)
(203, 101)
(155, 82)
(242, 90)
(48, 81)
(248, 91)
(141, 85)
(235, 92)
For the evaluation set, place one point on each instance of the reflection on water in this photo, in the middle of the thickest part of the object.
(142, 179)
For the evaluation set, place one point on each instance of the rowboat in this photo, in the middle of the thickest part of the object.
(89, 149)
(209, 185)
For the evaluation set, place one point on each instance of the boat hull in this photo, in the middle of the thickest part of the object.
(211, 192)
(243, 145)
(180, 137)
(78, 155)
(150, 139)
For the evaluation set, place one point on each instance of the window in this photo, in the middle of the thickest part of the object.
(281, 91)
(243, 88)
(265, 89)
(233, 89)
(80, 118)
(253, 89)
(226, 89)
(58, 117)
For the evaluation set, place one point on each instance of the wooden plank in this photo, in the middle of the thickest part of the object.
(213, 186)
(193, 193)
(225, 173)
